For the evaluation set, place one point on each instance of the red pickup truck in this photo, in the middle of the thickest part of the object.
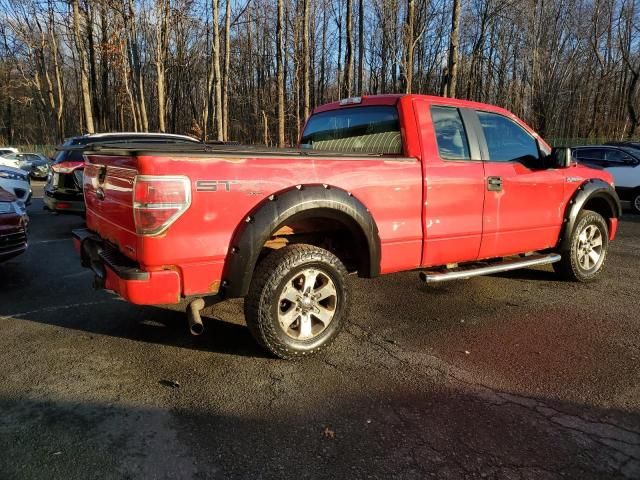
(378, 184)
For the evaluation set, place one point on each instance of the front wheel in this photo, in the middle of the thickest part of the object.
(585, 257)
(635, 201)
(298, 301)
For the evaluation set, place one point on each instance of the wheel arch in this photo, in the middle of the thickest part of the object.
(596, 195)
(298, 204)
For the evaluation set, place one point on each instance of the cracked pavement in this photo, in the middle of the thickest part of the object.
(513, 376)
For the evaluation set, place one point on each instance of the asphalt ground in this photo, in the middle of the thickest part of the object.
(514, 376)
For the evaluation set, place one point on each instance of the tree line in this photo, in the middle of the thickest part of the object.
(253, 70)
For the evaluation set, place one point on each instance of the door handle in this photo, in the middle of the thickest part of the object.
(494, 184)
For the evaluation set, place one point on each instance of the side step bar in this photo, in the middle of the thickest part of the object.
(463, 273)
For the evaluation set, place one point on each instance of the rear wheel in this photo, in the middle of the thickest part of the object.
(298, 301)
(585, 257)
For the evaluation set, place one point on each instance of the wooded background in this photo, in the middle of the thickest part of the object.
(252, 70)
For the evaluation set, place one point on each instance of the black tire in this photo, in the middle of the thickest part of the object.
(635, 201)
(570, 266)
(263, 304)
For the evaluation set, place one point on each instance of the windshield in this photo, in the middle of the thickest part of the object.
(373, 129)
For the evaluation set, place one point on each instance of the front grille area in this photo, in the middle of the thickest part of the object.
(12, 239)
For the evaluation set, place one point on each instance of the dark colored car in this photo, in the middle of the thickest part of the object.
(13, 226)
(631, 144)
(622, 161)
(63, 192)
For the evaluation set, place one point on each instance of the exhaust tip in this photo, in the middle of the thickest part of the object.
(193, 316)
(196, 329)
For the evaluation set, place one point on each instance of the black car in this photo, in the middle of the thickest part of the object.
(63, 192)
(630, 144)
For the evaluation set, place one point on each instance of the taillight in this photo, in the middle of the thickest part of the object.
(66, 167)
(158, 201)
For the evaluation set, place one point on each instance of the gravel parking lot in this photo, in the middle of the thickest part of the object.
(516, 376)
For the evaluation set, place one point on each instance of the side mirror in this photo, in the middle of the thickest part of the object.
(560, 157)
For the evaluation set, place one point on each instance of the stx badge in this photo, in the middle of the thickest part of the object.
(214, 185)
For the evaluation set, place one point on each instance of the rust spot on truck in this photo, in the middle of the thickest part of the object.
(214, 286)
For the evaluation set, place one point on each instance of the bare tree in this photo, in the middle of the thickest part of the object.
(348, 61)
(162, 46)
(305, 58)
(84, 80)
(360, 46)
(454, 39)
(280, 59)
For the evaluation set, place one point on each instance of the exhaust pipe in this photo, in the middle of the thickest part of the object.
(193, 316)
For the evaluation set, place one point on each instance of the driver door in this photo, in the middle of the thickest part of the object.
(523, 207)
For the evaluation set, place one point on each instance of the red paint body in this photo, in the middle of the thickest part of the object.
(428, 211)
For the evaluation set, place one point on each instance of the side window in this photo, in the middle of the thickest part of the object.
(590, 155)
(506, 140)
(450, 134)
(615, 157)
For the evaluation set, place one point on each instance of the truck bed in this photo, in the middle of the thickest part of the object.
(228, 149)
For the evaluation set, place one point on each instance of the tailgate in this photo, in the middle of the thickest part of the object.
(108, 191)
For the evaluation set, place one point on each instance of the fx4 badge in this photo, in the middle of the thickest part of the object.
(214, 185)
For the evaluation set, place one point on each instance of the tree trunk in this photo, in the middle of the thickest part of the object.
(454, 40)
(265, 128)
(348, 61)
(84, 80)
(280, 74)
(217, 78)
(162, 44)
(360, 46)
(305, 59)
(409, 45)
(225, 76)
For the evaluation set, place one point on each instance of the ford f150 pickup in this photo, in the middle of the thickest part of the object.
(378, 184)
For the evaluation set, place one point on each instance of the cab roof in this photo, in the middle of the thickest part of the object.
(393, 98)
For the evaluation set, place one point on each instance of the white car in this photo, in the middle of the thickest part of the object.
(10, 160)
(16, 181)
(6, 150)
(621, 161)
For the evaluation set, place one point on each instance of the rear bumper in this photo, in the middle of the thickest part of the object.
(113, 271)
(70, 204)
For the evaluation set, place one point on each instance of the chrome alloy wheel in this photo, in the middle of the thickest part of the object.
(307, 304)
(590, 248)
(636, 202)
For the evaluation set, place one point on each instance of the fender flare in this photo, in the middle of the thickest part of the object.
(297, 203)
(591, 189)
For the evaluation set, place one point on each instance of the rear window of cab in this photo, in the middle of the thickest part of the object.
(367, 129)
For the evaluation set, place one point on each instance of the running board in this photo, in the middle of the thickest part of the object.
(463, 273)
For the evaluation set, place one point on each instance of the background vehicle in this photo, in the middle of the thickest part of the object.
(16, 181)
(7, 150)
(380, 184)
(625, 144)
(620, 160)
(35, 164)
(40, 166)
(63, 192)
(13, 226)
(10, 160)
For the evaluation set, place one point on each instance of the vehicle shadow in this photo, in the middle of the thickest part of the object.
(149, 324)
